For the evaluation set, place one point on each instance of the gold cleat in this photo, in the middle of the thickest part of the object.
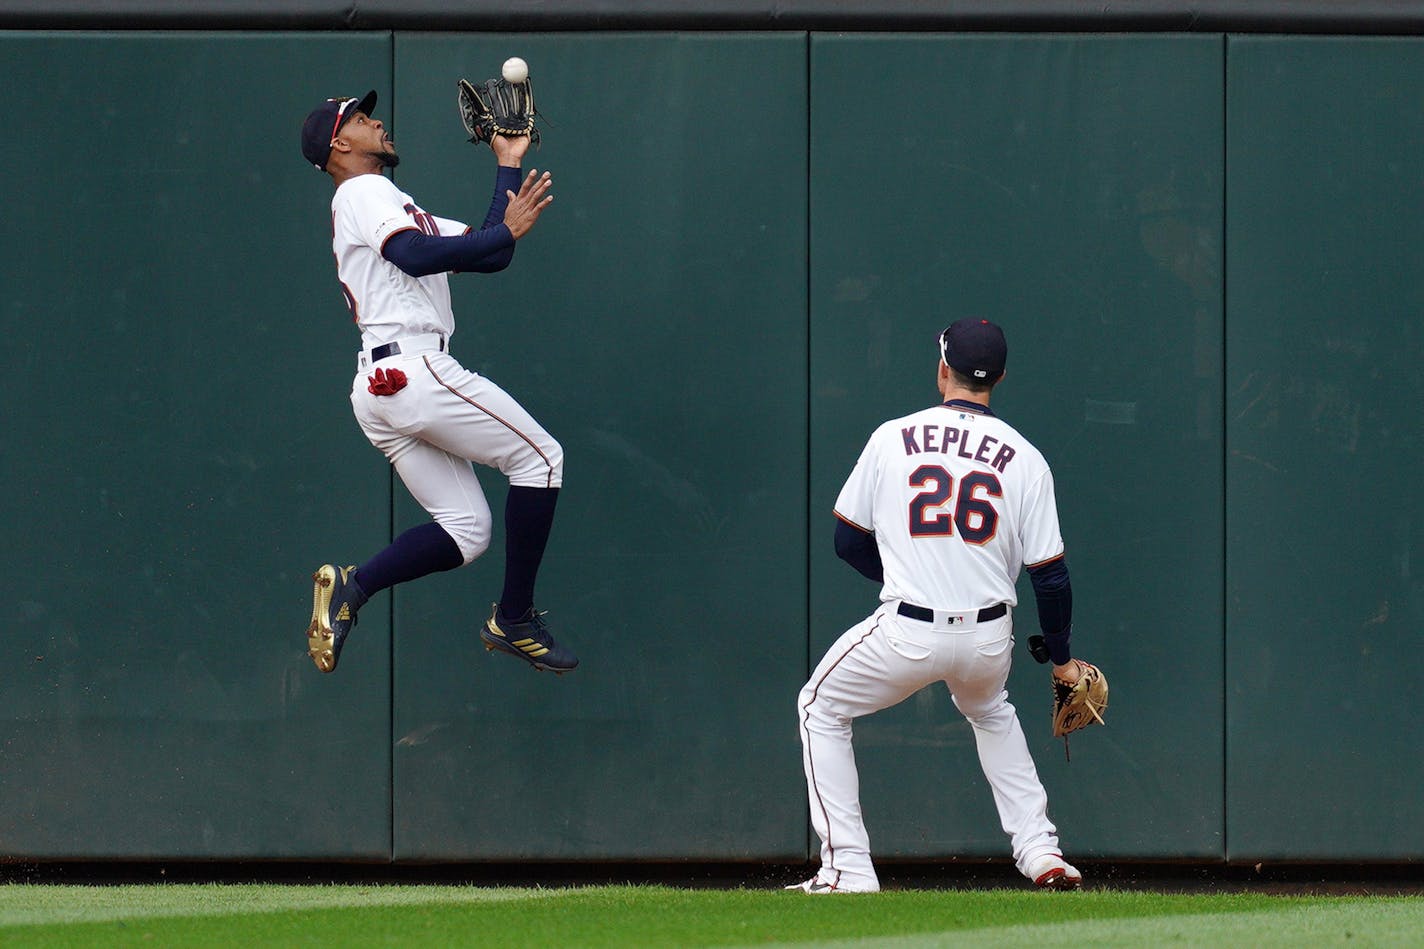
(529, 639)
(326, 633)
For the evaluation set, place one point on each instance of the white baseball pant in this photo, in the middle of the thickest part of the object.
(445, 418)
(880, 662)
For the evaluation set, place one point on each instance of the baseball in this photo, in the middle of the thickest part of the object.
(515, 69)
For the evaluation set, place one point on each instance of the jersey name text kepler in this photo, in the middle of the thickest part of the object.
(939, 439)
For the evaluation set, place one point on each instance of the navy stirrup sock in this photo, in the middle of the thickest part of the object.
(528, 517)
(419, 551)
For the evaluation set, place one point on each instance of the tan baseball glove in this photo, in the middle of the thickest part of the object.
(1079, 704)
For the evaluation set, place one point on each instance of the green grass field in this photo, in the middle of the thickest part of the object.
(626, 916)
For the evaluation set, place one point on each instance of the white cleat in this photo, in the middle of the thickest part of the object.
(1052, 872)
(821, 888)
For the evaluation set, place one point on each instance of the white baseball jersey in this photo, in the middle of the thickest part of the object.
(958, 501)
(386, 302)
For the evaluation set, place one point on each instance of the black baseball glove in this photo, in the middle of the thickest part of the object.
(498, 107)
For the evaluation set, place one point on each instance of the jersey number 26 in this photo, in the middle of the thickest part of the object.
(977, 518)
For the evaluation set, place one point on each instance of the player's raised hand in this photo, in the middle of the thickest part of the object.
(525, 207)
(510, 149)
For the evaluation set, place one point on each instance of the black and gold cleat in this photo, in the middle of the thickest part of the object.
(334, 604)
(528, 638)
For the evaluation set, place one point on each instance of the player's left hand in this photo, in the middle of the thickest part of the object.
(1080, 702)
(509, 150)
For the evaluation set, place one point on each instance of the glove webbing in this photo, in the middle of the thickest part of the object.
(1083, 683)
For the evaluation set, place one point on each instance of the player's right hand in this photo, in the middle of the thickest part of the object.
(525, 207)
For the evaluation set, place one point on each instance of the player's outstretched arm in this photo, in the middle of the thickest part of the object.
(421, 254)
(524, 208)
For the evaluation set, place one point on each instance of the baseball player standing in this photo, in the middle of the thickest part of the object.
(427, 413)
(942, 508)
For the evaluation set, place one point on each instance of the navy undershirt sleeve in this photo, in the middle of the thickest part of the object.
(858, 548)
(476, 251)
(487, 250)
(505, 179)
(1054, 595)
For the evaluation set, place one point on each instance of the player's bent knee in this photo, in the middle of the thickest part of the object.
(475, 549)
(470, 535)
(541, 467)
(816, 714)
(554, 463)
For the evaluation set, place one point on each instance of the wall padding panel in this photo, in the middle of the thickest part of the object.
(179, 455)
(1069, 188)
(655, 322)
(1325, 446)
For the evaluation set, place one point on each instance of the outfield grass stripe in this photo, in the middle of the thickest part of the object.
(25, 904)
(1367, 923)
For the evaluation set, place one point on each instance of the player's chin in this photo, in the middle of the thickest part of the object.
(388, 157)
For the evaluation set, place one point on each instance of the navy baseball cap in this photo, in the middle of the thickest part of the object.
(322, 124)
(975, 347)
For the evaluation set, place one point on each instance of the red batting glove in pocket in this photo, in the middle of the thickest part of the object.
(386, 382)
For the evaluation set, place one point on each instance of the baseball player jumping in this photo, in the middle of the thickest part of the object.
(417, 404)
(942, 508)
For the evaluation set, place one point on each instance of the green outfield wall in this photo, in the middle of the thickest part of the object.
(1202, 247)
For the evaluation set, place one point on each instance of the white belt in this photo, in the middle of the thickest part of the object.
(407, 346)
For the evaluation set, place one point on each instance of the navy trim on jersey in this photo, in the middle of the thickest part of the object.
(842, 517)
(968, 406)
(411, 228)
(858, 548)
(1054, 595)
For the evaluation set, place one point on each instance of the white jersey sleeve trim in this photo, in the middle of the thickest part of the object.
(451, 228)
(402, 230)
(856, 501)
(1042, 537)
(859, 527)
